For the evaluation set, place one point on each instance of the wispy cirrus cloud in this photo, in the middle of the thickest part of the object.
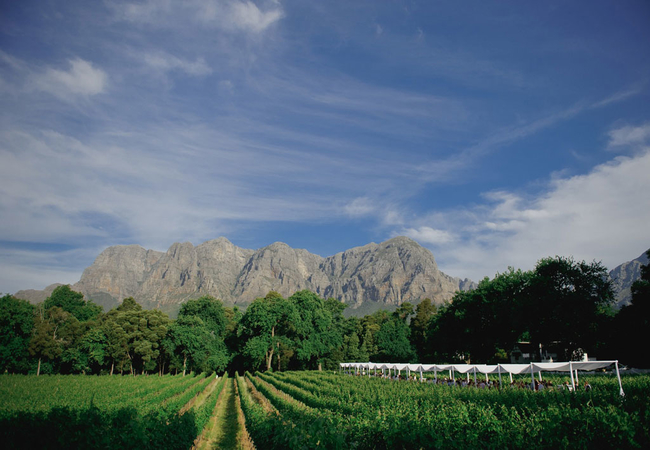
(229, 15)
(165, 62)
(81, 79)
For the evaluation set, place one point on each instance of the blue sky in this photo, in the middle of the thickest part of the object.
(493, 133)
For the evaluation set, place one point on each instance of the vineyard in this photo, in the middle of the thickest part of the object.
(315, 409)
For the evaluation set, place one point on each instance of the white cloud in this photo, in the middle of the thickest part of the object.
(228, 15)
(165, 62)
(602, 215)
(82, 79)
(149, 11)
(360, 207)
(629, 136)
(429, 235)
(247, 16)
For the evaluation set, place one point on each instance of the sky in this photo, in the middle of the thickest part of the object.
(493, 133)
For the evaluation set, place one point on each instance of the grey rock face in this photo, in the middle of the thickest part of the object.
(624, 276)
(35, 295)
(118, 271)
(391, 273)
(382, 275)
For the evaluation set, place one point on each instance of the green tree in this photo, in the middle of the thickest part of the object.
(264, 326)
(393, 342)
(424, 312)
(568, 301)
(187, 337)
(47, 341)
(315, 331)
(143, 332)
(16, 324)
(117, 343)
(93, 346)
(73, 302)
(200, 343)
(210, 310)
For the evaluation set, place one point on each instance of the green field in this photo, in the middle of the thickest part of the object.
(315, 410)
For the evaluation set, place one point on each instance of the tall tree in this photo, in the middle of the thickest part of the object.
(209, 352)
(73, 302)
(315, 332)
(48, 340)
(16, 324)
(264, 326)
(393, 342)
(567, 302)
(210, 310)
(143, 331)
(187, 337)
(424, 311)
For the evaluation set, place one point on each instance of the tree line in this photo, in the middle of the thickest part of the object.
(562, 304)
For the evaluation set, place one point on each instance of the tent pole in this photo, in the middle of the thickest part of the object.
(468, 377)
(453, 374)
(435, 375)
(540, 375)
(487, 378)
(532, 376)
(577, 377)
(618, 375)
(421, 376)
(573, 383)
(510, 377)
(500, 383)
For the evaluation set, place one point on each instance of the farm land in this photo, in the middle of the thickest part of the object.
(311, 409)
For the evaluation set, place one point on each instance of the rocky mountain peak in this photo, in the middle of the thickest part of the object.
(366, 278)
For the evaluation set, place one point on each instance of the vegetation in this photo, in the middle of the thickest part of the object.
(562, 305)
(310, 409)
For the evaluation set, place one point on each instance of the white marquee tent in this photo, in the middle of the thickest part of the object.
(488, 369)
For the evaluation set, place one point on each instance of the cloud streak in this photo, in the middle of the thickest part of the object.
(82, 79)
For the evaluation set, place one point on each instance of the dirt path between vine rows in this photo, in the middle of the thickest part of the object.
(223, 430)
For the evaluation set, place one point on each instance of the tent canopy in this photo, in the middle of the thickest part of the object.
(486, 368)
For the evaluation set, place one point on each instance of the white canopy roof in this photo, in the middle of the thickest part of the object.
(485, 368)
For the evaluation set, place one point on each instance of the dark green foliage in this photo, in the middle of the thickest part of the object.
(567, 301)
(424, 313)
(92, 428)
(477, 324)
(16, 324)
(209, 310)
(73, 302)
(393, 342)
(372, 413)
(561, 302)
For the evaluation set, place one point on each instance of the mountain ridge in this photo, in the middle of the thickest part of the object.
(367, 277)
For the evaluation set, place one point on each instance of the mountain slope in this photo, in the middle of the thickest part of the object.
(366, 278)
(623, 276)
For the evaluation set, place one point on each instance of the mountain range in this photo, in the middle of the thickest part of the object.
(366, 278)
